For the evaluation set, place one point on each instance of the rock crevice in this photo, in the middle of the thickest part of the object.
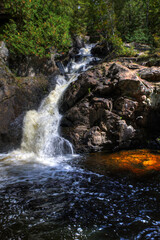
(111, 107)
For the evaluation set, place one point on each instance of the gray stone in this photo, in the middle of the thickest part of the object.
(4, 52)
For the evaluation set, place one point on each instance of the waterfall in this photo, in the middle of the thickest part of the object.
(41, 138)
(40, 131)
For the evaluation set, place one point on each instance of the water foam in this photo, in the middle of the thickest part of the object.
(41, 139)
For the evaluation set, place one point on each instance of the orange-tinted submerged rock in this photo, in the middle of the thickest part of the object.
(139, 162)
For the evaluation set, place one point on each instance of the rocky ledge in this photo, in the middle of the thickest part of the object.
(17, 95)
(112, 106)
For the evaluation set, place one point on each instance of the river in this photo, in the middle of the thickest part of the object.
(49, 192)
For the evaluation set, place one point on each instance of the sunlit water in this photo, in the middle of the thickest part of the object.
(49, 193)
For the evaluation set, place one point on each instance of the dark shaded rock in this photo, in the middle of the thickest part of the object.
(155, 61)
(150, 74)
(78, 90)
(94, 80)
(132, 88)
(74, 117)
(102, 49)
(17, 95)
(78, 42)
(118, 71)
(141, 47)
(95, 139)
(31, 66)
(109, 108)
(133, 66)
(102, 103)
(125, 107)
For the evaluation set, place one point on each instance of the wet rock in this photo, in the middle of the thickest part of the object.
(78, 90)
(17, 95)
(78, 42)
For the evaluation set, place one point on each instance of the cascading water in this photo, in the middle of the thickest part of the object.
(43, 196)
(40, 133)
(41, 139)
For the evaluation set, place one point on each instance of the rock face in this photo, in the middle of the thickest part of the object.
(17, 95)
(150, 74)
(25, 66)
(111, 107)
(4, 53)
(102, 49)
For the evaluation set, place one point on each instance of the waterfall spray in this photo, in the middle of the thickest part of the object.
(41, 138)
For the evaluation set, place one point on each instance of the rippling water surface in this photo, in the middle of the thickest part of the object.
(46, 194)
(81, 198)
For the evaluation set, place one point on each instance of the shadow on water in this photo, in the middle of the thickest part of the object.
(96, 197)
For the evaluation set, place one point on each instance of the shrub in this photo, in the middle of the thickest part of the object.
(140, 36)
(156, 41)
(119, 48)
(36, 28)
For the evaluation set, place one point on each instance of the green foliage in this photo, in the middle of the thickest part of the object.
(154, 16)
(38, 27)
(156, 41)
(101, 18)
(119, 48)
(140, 36)
(79, 18)
(137, 20)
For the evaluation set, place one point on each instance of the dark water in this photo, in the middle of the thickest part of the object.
(77, 200)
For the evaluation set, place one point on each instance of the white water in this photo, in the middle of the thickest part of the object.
(41, 140)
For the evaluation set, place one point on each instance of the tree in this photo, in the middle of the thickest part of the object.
(36, 26)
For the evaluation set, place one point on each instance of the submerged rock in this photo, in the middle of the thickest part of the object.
(138, 163)
(110, 107)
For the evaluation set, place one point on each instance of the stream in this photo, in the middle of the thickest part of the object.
(48, 192)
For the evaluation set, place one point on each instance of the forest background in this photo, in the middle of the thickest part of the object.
(34, 27)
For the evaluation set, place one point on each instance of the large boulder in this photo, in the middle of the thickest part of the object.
(109, 107)
(150, 74)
